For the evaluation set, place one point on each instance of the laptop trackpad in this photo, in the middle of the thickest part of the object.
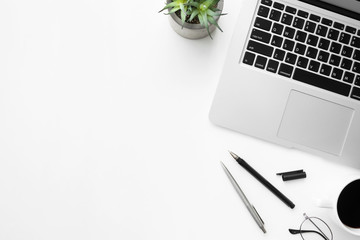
(315, 122)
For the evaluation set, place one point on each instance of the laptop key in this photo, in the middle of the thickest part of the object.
(356, 67)
(286, 18)
(277, 28)
(337, 73)
(260, 62)
(279, 6)
(310, 27)
(355, 42)
(355, 93)
(285, 70)
(321, 82)
(314, 66)
(302, 62)
(325, 69)
(272, 66)
(263, 11)
(276, 41)
(346, 64)
(290, 58)
(327, 22)
(288, 45)
(290, 10)
(279, 54)
(321, 30)
(333, 34)
(303, 14)
(334, 60)
(324, 44)
(323, 56)
(356, 55)
(289, 32)
(344, 38)
(348, 77)
(357, 80)
(315, 18)
(260, 35)
(300, 48)
(311, 52)
(266, 2)
(347, 51)
(260, 48)
(300, 36)
(262, 23)
(335, 47)
(312, 40)
(249, 58)
(275, 15)
(350, 30)
(298, 23)
(339, 26)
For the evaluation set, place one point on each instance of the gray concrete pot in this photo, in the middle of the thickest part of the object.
(192, 31)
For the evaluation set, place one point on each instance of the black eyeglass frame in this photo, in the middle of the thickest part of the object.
(301, 231)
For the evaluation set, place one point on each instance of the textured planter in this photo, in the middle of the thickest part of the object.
(190, 30)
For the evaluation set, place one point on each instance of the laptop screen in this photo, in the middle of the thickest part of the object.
(351, 5)
(349, 8)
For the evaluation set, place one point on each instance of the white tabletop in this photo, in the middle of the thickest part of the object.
(104, 132)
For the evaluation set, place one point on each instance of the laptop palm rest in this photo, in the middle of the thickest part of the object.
(315, 123)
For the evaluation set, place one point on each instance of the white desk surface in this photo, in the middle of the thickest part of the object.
(104, 132)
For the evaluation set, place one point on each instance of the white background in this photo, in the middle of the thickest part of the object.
(104, 132)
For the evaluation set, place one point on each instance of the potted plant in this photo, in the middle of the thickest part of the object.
(194, 19)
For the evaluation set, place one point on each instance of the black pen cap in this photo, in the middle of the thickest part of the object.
(293, 176)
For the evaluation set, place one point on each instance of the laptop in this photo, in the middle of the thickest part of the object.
(292, 76)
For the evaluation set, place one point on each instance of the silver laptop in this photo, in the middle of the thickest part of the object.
(292, 76)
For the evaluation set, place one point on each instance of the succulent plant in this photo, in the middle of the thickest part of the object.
(177, 5)
(204, 11)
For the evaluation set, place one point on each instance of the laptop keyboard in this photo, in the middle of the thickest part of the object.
(305, 47)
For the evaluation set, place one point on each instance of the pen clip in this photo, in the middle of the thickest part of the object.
(257, 214)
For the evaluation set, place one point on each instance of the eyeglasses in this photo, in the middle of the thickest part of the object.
(313, 228)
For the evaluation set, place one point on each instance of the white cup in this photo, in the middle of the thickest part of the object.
(332, 203)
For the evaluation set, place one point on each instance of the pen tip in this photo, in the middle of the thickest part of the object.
(233, 155)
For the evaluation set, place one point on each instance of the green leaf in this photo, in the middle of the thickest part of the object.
(211, 13)
(183, 17)
(201, 20)
(212, 21)
(216, 2)
(206, 24)
(194, 4)
(174, 9)
(170, 5)
(193, 15)
(182, 7)
(215, 9)
(206, 4)
(205, 20)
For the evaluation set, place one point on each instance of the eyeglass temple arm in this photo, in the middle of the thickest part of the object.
(295, 231)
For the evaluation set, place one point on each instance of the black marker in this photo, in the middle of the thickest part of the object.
(262, 180)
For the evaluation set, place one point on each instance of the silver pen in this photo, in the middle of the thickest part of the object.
(248, 205)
